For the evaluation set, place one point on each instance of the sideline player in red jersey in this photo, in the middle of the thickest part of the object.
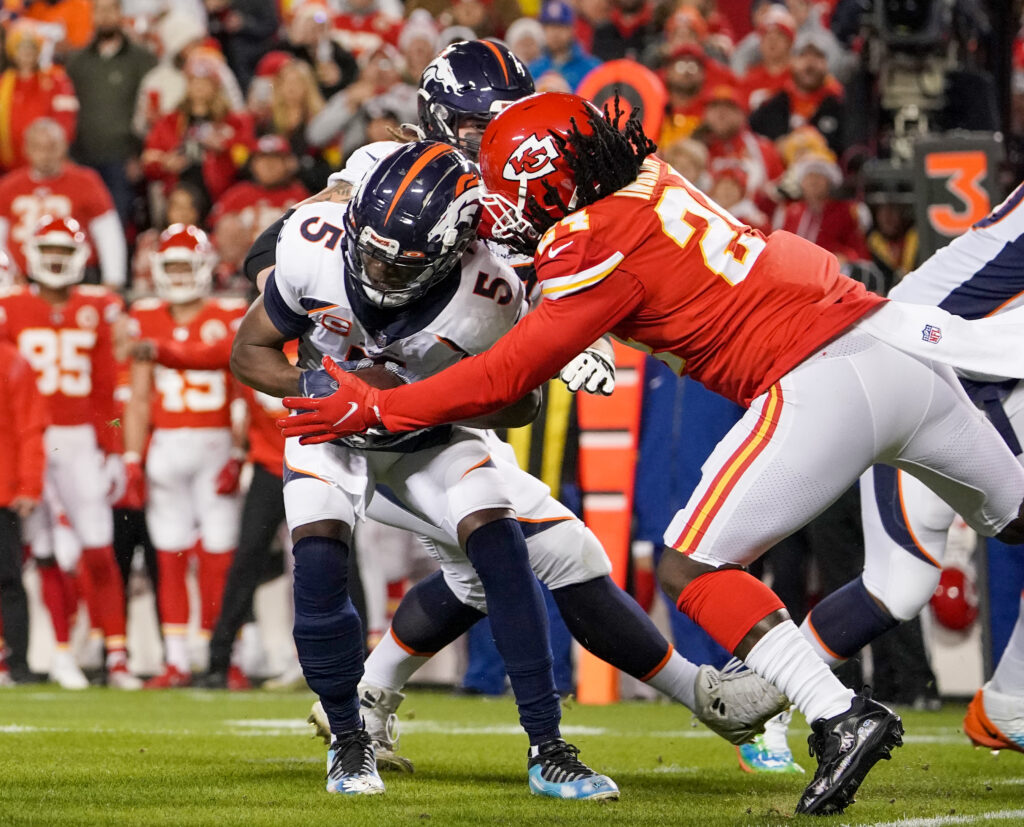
(25, 417)
(190, 487)
(66, 332)
(623, 243)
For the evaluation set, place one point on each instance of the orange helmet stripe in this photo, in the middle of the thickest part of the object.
(499, 55)
(434, 152)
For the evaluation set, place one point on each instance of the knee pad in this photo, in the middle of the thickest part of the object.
(903, 584)
(565, 554)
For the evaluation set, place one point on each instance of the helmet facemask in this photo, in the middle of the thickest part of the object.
(55, 263)
(390, 277)
(182, 275)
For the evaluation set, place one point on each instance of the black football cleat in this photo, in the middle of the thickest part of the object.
(847, 746)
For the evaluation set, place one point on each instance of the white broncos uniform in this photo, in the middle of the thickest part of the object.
(978, 275)
(434, 479)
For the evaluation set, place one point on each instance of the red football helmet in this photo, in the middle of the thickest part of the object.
(955, 600)
(519, 156)
(183, 264)
(57, 252)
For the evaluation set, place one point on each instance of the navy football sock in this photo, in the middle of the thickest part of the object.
(328, 634)
(430, 616)
(849, 619)
(610, 624)
(518, 622)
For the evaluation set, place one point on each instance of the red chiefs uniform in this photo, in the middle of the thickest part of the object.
(266, 445)
(191, 398)
(70, 348)
(257, 207)
(46, 94)
(668, 271)
(21, 440)
(76, 192)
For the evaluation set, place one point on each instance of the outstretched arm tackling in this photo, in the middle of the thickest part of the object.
(525, 357)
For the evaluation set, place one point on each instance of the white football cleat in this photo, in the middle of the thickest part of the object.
(378, 706)
(65, 671)
(318, 718)
(995, 720)
(119, 677)
(735, 702)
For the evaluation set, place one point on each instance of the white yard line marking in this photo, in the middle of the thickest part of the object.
(941, 821)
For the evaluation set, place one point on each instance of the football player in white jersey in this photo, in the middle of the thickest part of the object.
(977, 275)
(343, 276)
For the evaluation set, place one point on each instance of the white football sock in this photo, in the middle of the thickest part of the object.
(1009, 674)
(676, 679)
(176, 652)
(785, 658)
(389, 665)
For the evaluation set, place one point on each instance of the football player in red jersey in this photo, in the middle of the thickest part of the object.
(190, 484)
(832, 377)
(66, 332)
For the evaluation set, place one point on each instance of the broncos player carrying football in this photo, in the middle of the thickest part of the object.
(431, 615)
(393, 277)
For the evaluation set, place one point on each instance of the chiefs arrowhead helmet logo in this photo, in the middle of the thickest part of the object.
(533, 158)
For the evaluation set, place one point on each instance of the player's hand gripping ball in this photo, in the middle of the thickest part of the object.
(338, 403)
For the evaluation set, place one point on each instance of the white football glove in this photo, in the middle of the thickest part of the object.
(591, 371)
(113, 471)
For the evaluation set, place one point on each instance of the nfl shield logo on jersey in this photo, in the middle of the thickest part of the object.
(932, 333)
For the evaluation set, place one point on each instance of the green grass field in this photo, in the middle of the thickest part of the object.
(193, 757)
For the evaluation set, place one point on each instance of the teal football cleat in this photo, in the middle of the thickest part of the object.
(555, 770)
(770, 752)
(352, 765)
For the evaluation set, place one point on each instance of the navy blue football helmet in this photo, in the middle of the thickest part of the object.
(466, 85)
(413, 217)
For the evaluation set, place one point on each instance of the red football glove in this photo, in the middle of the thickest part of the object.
(228, 476)
(352, 409)
(134, 486)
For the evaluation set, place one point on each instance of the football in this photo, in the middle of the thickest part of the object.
(378, 376)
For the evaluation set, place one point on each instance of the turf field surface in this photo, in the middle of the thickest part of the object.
(208, 758)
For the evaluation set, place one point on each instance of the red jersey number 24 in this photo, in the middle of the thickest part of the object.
(728, 249)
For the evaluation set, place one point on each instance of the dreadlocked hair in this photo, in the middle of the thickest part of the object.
(602, 162)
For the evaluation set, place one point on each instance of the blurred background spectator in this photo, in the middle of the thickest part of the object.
(561, 53)
(107, 75)
(308, 37)
(202, 141)
(29, 89)
(292, 100)
(51, 185)
(242, 28)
